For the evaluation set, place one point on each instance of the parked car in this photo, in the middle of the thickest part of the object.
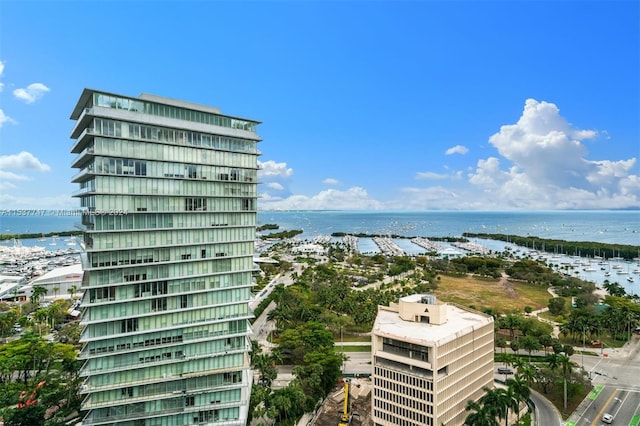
(503, 370)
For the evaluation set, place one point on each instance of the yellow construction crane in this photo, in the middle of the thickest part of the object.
(345, 420)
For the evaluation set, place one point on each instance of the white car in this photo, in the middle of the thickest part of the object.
(607, 418)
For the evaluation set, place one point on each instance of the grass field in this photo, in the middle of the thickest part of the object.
(347, 337)
(500, 295)
(347, 348)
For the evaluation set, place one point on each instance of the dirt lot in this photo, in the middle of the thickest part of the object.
(331, 411)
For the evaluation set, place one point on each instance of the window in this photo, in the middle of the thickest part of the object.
(129, 325)
(159, 304)
(98, 294)
(195, 204)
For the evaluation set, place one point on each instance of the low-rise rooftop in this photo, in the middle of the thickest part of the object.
(459, 321)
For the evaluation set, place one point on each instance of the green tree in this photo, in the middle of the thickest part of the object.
(295, 343)
(530, 344)
(557, 305)
(520, 384)
(36, 293)
(72, 291)
(545, 341)
(515, 346)
(496, 402)
(479, 416)
(31, 415)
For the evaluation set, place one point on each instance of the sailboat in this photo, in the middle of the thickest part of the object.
(53, 241)
(42, 238)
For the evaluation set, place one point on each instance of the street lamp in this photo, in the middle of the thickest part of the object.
(583, 346)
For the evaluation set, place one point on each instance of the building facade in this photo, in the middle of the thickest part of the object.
(429, 359)
(169, 189)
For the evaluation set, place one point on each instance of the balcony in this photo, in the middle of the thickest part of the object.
(81, 124)
(90, 419)
(86, 371)
(83, 191)
(85, 137)
(85, 156)
(83, 174)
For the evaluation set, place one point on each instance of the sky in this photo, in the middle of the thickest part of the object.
(376, 105)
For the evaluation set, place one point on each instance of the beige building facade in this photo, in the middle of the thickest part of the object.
(429, 358)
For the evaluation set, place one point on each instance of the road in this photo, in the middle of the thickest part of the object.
(615, 375)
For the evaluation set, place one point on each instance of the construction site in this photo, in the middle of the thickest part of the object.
(357, 409)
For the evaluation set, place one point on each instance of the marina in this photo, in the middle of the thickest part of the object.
(398, 234)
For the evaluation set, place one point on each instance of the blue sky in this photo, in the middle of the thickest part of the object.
(416, 105)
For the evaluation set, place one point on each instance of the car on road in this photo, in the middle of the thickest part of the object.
(607, 418)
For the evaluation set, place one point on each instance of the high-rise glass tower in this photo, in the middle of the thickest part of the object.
(169, 189)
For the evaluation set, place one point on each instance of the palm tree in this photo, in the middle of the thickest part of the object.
(480, 416)
(519, 363)
(36, 293)
(511, 401)
(508, 359)
(520, 388)
(495, 402)
(567, 367)
(530, 344)
(564, 362)
(553, 361)
(527, 374)
(72, 290)
(55, 289)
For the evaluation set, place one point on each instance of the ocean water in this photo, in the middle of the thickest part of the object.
(614, 227)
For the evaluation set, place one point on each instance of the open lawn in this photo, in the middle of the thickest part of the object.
(502, 296)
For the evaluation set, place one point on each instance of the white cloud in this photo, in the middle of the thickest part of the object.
(275, 185)
(31, 93)
(355, 198)
(4, 185)
(550, 167)
(270, 169)
(458, 149)
(1, 68)
(331, 181)
(4, 176)
(545, 146)
(274, 176)
(23, 160)
(438, 176)
(431, 175)
(5, 119)
(61, 202)
(541, 163)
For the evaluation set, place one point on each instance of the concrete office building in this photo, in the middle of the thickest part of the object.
(170, 191)
(429, 359)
